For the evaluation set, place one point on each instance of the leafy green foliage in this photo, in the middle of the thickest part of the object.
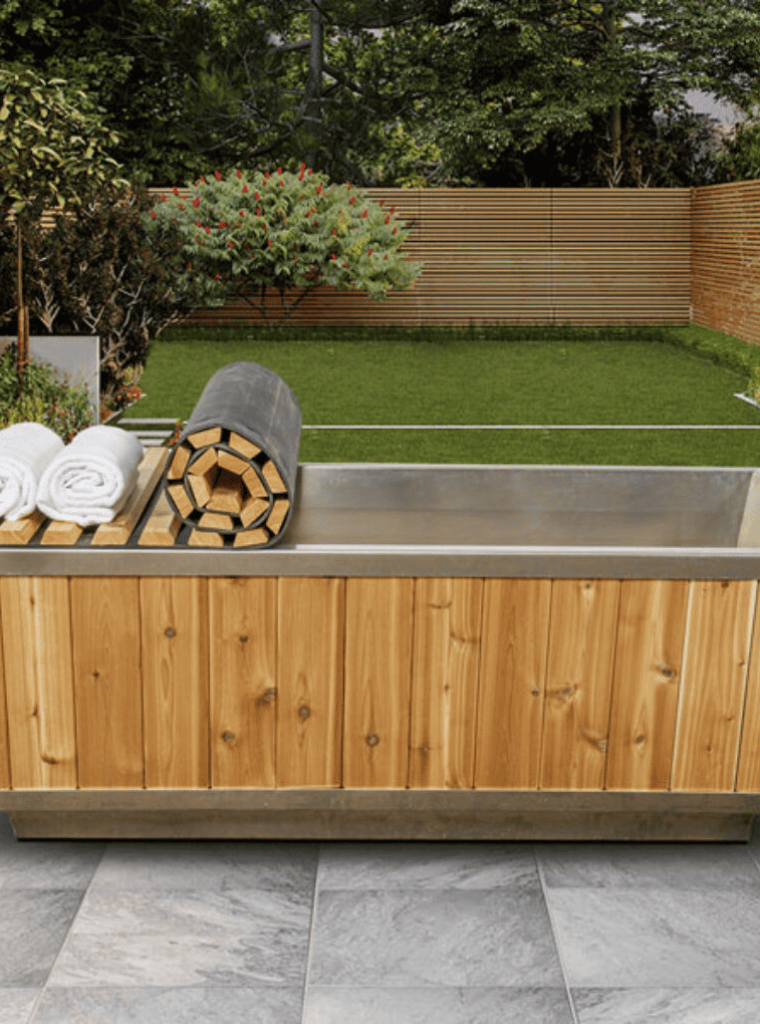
(47, 399)
(54, 144)
(104, 270)
(288, 232)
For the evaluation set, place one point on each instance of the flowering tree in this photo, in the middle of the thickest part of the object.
(287, 232)
(54, 149)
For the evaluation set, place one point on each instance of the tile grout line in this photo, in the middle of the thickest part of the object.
(560, 957)
(312, 928)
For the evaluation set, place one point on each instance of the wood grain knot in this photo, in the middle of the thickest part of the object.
(666, 671)
(170, 633)
(267, 697)
(372, 740)
(228, 737)
(303, 712)
(243, 639)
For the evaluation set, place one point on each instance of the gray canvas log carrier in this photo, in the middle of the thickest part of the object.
(234, 469)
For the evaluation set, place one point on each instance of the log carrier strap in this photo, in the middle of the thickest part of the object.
(233, 473)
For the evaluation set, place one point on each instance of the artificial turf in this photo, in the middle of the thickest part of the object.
(500, 376)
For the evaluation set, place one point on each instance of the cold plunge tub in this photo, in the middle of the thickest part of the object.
(433, 652)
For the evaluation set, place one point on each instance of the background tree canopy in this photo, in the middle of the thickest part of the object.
(397, 92)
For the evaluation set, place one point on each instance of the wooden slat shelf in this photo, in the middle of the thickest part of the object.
(132, 526)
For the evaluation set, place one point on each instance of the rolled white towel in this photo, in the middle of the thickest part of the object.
(91, 479)
(26, 450)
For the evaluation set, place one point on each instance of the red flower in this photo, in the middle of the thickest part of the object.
(279, 170)
(258, 211)
(352, 200)
(197, 202)
(237, 171)
(152, 214)
(345, 265)
(208, 230)
(245, 188)
(365, 213)
(335, 231)
(217, 175)
(163, 198)
(230, 245)
(181, 206)
(388, 219)
(394, 231)
(319, 188)
(266, 176)
(369, 252)
(269, 243)
(175, 190)
(198, 224)
(333, 257)
(255, 195)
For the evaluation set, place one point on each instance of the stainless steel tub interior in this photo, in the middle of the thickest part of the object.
(464, 520)
(519, 505)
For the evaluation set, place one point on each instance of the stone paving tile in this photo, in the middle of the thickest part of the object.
(648, 866)
(208, 865)
(424, 866)
(667, 1006)
(460, 938)
(339, 1005)
(279, 1005)
(17, 1004)
(151, 937)
(631, 938)
(34, 925)
(33, 864)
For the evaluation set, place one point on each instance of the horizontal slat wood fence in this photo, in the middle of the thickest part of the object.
(725, 272)
(501, 256)
(189, 682)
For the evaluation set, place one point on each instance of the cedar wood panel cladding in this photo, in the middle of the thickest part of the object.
(511, 684)
(501, 256)
(725, 273)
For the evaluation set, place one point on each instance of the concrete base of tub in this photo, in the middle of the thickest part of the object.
(323, 814)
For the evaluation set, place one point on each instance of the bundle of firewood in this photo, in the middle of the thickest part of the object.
(232, 475)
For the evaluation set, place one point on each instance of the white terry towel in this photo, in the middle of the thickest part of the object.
(26, 450)
(90, 481)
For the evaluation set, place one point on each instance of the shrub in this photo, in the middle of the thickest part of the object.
(287, 232)
(105, 270)
(46, 398)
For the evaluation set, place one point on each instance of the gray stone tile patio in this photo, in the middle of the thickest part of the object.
(378, 933)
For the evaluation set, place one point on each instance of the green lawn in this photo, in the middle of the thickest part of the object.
(529, 376)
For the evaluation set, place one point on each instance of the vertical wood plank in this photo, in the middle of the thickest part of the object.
(174, 623)
(5, 765)
(243, 617)
(36, 627)
(716, 653)
(646, 680)
(748, 772)
(578, 684)
(105, 637)
(446, 660)
(310, 631)
(378, 670)
(512, 681)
